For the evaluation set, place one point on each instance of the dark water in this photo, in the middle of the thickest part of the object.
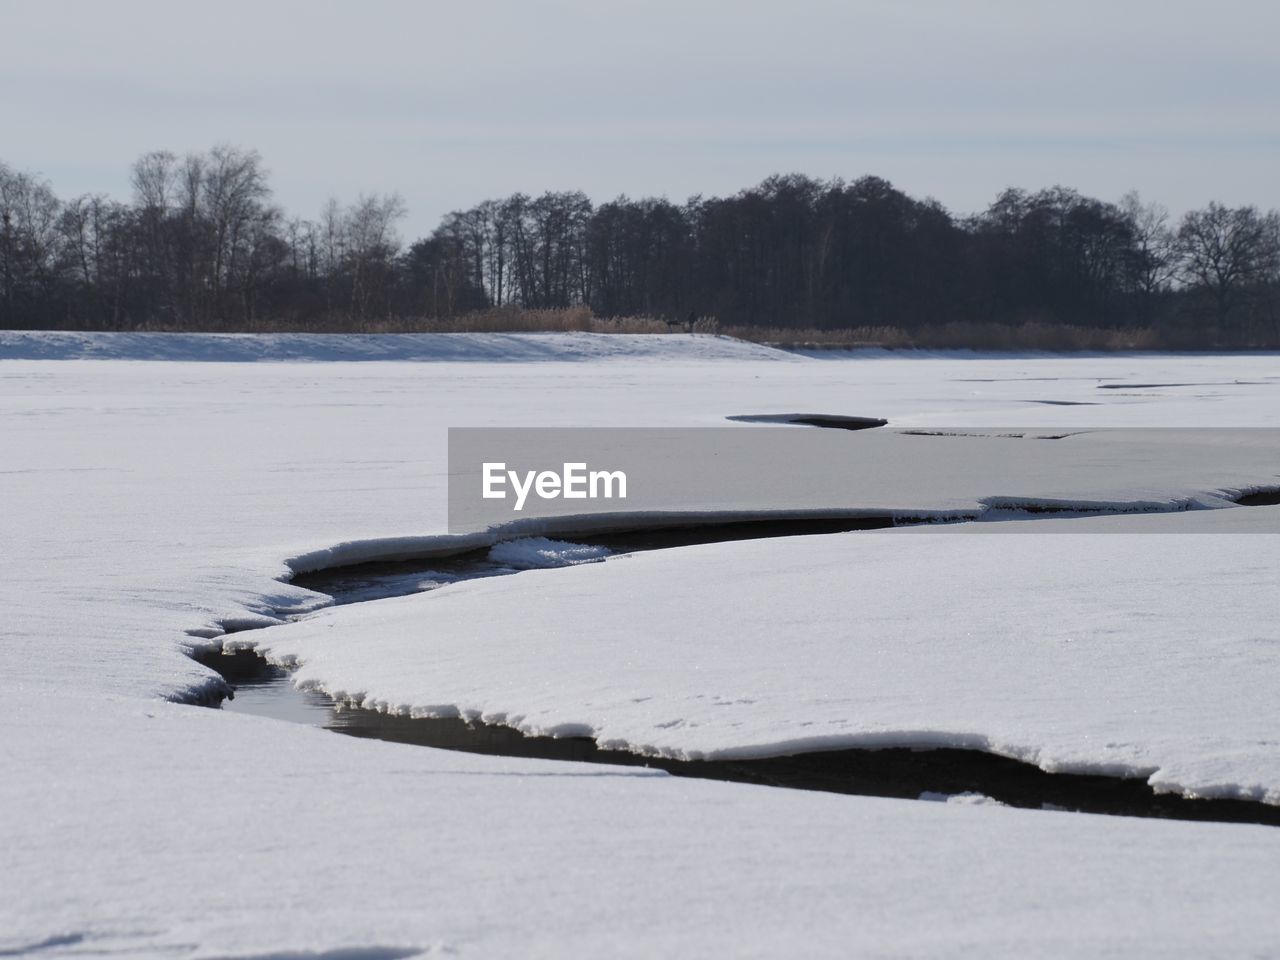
(375, 581)
(1263, 498)
(827, 421)
(901, 773)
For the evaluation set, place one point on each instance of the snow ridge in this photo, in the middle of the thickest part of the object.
(414, 347)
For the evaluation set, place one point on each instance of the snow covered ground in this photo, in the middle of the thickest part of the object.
(143, 504)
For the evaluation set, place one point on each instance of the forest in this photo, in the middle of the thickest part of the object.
(202, 245)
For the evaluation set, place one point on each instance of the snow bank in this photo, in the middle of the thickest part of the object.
(1117, 653)
(454, 347)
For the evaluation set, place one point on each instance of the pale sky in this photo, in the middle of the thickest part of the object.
(453, 102)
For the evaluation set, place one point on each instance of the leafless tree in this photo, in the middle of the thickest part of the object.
(1225, 250)
(372, 245)
(29, 241)
(235, 195)
(1153, 245)
(155, 178)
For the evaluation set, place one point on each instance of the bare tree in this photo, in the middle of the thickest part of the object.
(84, 225)
(234, 193)
(1224, 250)
(154, 182)
(8, 241)
(29, 243)
(372, 246)
(1154, 246)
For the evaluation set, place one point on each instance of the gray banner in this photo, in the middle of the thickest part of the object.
(537, 480)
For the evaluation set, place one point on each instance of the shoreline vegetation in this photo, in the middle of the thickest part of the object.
(201, 246)
(1045, 337)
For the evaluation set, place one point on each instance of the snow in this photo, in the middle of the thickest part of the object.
(143, 828)
(968, 798)
(146, 506)
(416, 347)
(528, 553)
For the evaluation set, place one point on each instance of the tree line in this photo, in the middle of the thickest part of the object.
(201, 245)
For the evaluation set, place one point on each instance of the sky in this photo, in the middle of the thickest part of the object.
(450, 103)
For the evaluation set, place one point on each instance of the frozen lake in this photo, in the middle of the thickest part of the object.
(155, 504)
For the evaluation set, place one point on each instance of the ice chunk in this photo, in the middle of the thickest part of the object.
(529, 553)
